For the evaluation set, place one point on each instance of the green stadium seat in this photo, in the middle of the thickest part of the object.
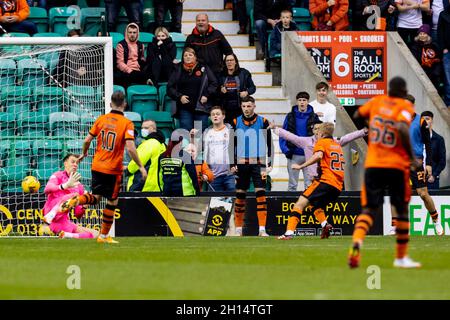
(59, 19)
(91, 20)
(179, 39)
(7, 124)
(87, 120)
(136, 118)
(48, 99)
(43, 175)
(122, 22)
(32, 124)
(46, 35)
(48, 154)
(52, 59)
(119, 88)
(146, 38)
(83, 94)
(302, 18)
(164, 121)
(5, 149)
(165, 102)
(20, 158)
(16, 99)
(142, 98)
(15, 49)
(74, 146)
(11, 178)
(7, 72)
(30, 73)
(64, 124)
(116, 38)
(148, 17)
(17, 34)
(39, 17)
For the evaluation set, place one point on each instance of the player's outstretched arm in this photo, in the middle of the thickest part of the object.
(316, 157)
(86, 145)
(131, 148)
(349, 137)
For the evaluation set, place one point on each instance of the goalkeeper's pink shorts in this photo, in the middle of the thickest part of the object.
(63, 225)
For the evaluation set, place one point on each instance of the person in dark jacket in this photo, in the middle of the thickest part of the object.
(191, 85)
(438, 152)
(444, 44)
(427, 54)
(209, 43)
(132, 8)
(161, 56)
(235, 83)
(176, 11)
(285, 24)
(176, 171)
(300, 121)
(267, 14)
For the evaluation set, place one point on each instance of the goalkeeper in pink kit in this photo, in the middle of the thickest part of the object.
(61, 186)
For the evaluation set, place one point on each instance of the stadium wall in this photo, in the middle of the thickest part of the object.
(402, 63)
(299, 73)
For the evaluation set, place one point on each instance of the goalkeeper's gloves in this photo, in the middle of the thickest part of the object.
(73, 180)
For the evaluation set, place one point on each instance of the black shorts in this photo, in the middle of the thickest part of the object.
(378, 180)
(106, 185)
(418, 178)
(320, 194)
(250, 171)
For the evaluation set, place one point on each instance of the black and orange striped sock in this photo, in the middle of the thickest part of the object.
(261, 207)
(402, 231)
(239, 209)
(87, 198)
(294, 219)
(108, 219)
(394, 221)
(434, 215)
(362, 226)
(320, 215)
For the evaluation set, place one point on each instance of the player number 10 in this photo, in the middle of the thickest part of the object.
(341, 66)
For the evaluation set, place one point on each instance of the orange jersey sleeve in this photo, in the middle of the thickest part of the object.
(331, 167)
(112, 130)
(385, 146)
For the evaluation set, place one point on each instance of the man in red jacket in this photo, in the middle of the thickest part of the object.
(329, 15)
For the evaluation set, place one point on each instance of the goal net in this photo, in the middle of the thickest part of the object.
(51, 92)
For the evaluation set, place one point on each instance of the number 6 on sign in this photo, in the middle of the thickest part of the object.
(340, 62)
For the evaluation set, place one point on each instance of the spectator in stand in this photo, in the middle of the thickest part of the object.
(428, 55)
(130, 58)
(438, 153)
(161, 57)
(39, 3)
(444, 44)
(285, 24)
(176, 11)
(266, 14)
(191, 85)
(235, 83)
(410, 18)
(133, 9)
(364, 10)
(300, 121)
(437, 6)
(241, 12)
(13, 15)
(324, 109)
(329, 15)
(209, 43)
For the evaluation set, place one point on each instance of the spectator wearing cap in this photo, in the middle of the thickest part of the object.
(438, 153)
(444, 45)
(427, 54)
(410, 18)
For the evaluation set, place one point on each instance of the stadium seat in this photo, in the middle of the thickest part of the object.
(32, 124)
(145, 38)
(142, 98)
(5, 148)
(63, 19)
(11, 178)
(7, 124)
(47, 34)
(136, 118)
(122, 22)
(16, 99)
(64, 124)
(47, 154)
(91, 20)
(20, 159)
(44, 174)
(148, 17)
(179, 39)
(17, 34)
(83, 94)
(165, 102)
(48, 99)
(15, 49)
(39, 17)
(52, 59)
(116, 38)
(164, 121)
(30, 73)
(87, 120)
(7, 72)
(119, 88)
(74, 146)
(302, 18)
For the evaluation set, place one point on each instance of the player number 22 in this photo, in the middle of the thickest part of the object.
(108, 140)
(337, 161)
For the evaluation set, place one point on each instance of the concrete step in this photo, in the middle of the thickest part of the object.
(203, 4)
(213, 15)
(226, 27)
(262, 78)
(268, 92)
(237, 40)
(252, 65)
(280, 105)
(245, 53)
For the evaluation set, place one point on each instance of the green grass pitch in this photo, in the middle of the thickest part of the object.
(220, 268)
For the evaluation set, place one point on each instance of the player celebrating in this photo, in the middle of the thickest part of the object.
(61, 186)
(387, 167)
(113, 132)
(326, 187)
